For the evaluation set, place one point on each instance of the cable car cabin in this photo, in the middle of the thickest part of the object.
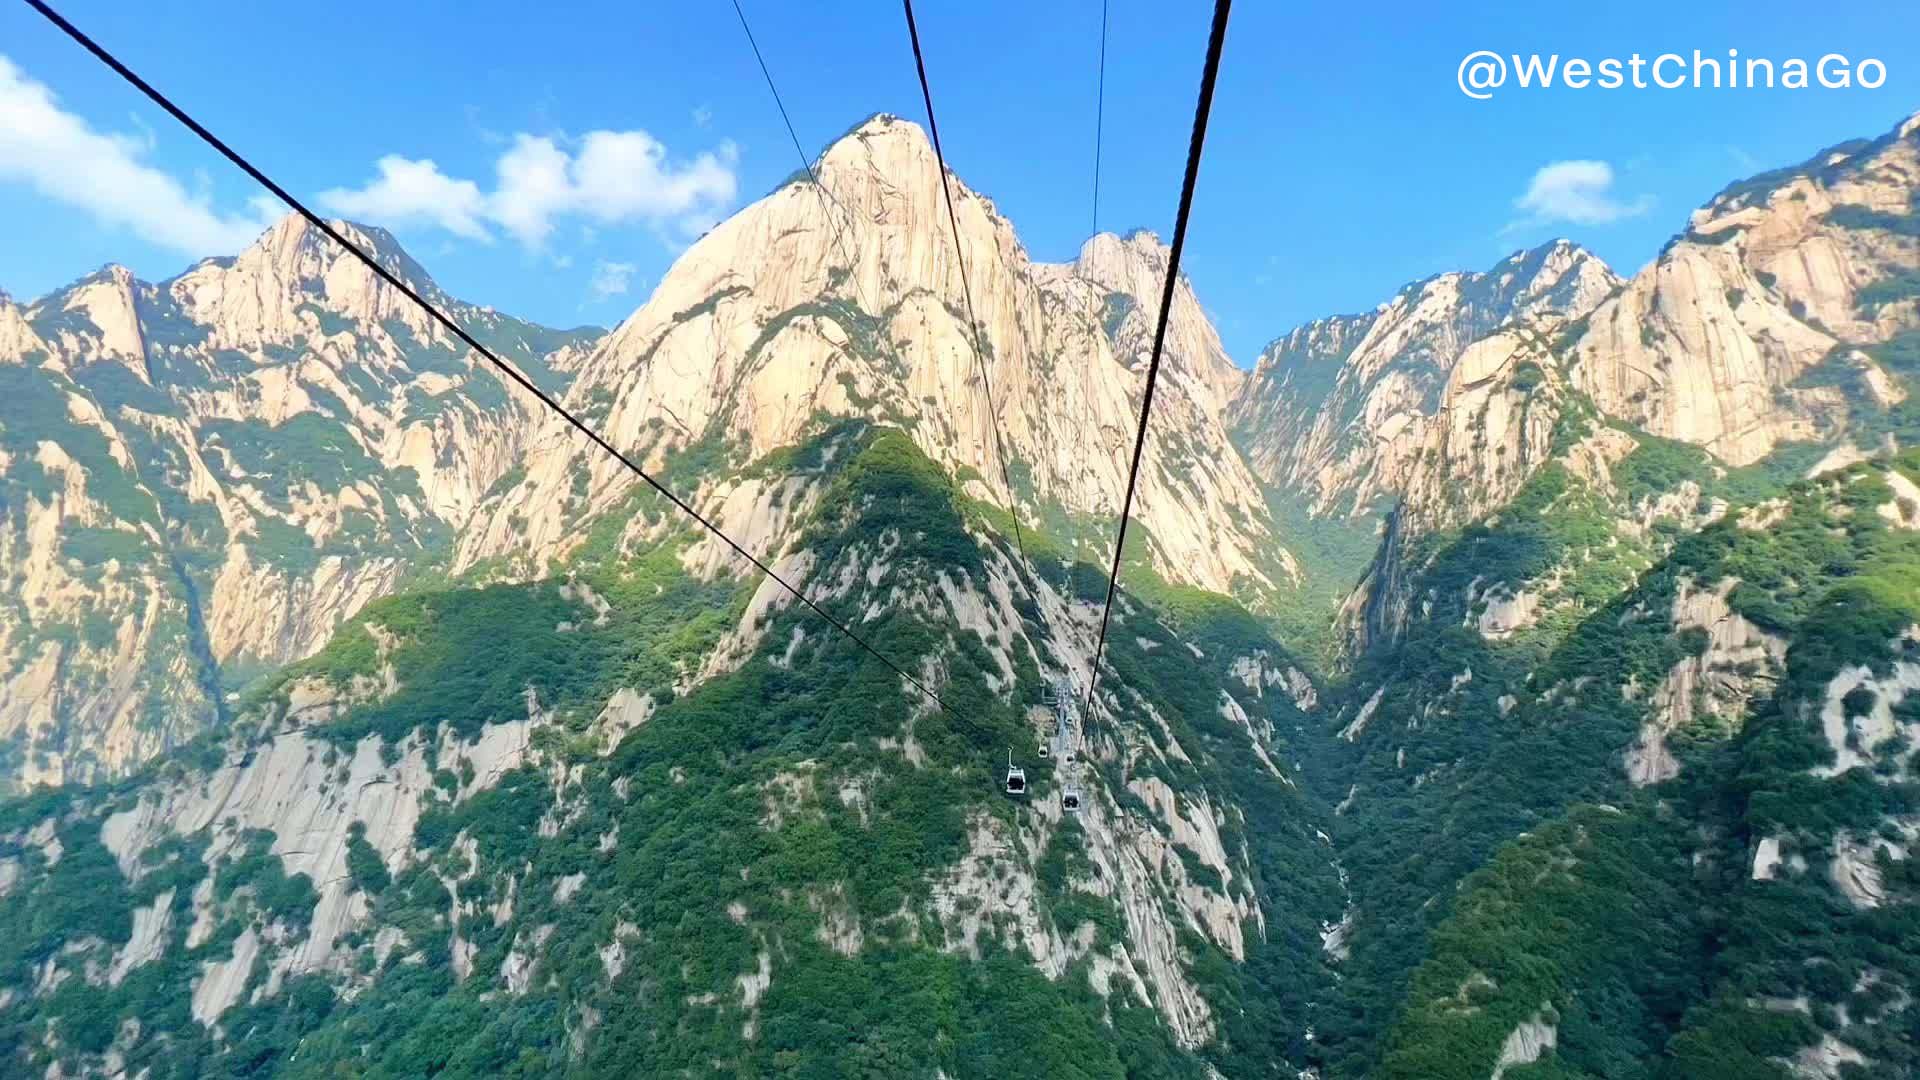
(1016, 780)
(1045, 750)
(1070, 800)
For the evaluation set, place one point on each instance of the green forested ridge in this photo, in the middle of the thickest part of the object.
(1487, 895)
(1429, 808)
(1593, 923)
(731, 848)
(1634, 924)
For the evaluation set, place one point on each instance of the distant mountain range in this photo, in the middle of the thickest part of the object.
(1509, 680)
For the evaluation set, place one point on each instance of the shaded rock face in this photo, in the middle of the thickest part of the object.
(205, 476)
(1493, 427)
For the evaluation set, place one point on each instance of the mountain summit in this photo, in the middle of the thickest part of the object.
(846, 301)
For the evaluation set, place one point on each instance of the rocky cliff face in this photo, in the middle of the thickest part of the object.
(1775, 276)
(846, 301)
(1339, 410)
(205, 476)
(1494, 426)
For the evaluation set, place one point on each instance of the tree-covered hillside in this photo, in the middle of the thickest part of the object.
(509, 829)
(1727, 907)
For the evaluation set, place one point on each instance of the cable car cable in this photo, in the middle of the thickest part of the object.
(458, 331)
(827, 199)
(1215, 39)
(953, 220)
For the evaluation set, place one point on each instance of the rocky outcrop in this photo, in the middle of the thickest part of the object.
(1857, 719)
(1828, 1059)
(1528, 1041)
(209, 474)
(1709, 343)
(1738, 660)
(1339, 409)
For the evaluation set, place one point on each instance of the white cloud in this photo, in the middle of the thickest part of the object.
(625, 175)
(611, 279)
(605, 178)
(533, 188)
(1579, 192)
(702, 117)
(62, 157)
(414, 193)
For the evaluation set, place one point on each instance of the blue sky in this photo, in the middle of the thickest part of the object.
(1342, 161)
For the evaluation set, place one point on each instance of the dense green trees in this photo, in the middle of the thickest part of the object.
(751, 825)
(722, 858)
(1639, 929)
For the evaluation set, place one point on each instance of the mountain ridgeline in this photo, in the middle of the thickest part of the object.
(1511, 681)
